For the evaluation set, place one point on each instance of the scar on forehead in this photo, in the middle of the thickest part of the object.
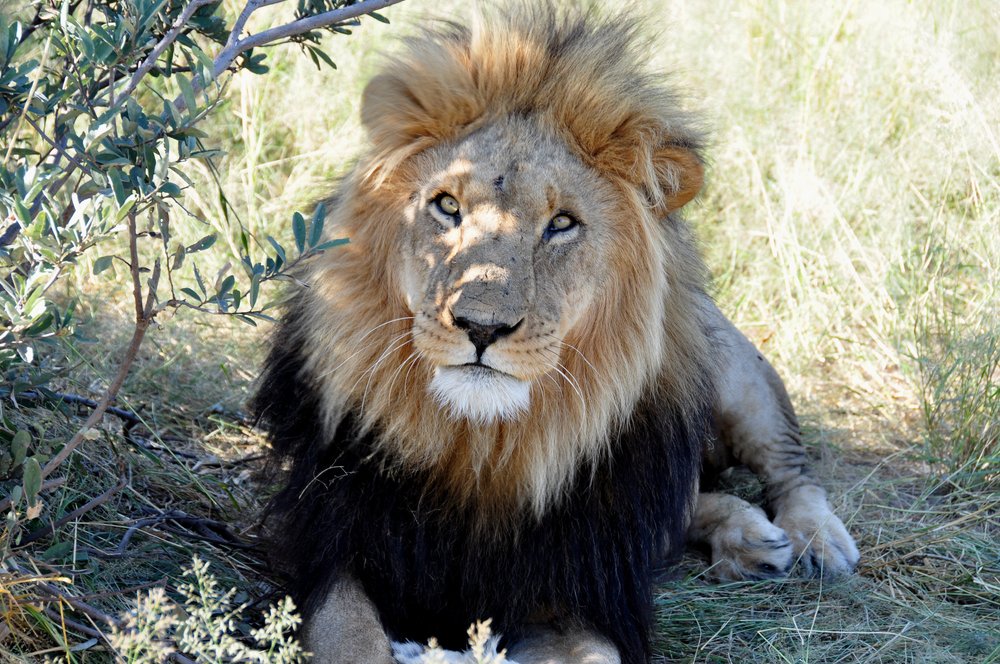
(498, 183)
(551, 196)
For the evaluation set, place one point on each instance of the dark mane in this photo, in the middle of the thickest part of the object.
(424, 563)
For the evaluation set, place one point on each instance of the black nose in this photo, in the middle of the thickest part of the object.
(482, 336)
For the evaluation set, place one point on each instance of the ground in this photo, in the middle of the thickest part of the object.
(850, 220)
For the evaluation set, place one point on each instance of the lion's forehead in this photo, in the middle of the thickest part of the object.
(515, 166)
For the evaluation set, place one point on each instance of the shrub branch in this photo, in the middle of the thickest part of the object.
(172, 34)
(144, 314)
(235, 46)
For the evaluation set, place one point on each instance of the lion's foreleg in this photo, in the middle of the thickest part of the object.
(757, 424)
(346, 628)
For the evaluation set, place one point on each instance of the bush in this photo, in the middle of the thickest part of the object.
(101, 108)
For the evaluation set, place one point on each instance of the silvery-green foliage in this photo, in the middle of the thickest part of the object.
(204, 626)
(85, 151)
(93, 185)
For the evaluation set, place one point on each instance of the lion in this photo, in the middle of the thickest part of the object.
(499, 400)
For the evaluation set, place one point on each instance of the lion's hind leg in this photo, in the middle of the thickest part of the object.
(743, 542)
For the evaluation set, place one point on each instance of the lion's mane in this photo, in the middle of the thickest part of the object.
(566, 512)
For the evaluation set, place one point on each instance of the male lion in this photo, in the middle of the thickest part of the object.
(496, 400)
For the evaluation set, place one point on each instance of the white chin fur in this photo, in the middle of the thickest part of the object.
(480, 394)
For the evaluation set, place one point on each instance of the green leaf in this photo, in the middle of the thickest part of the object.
(316, 229)
(187, 91)
(378, 17)
(40, 325)
(254, 288)
(317, 54)
(124, 209)
(255, 64)
(226, 285)
(32, 479)
(331, 244)
(202, 244)
(277, 248)
(19, 446)
(170, 189)
(299, 229)
(58, 551)
(179, 254)
(201, 283)
(118, 186)
(103, 263)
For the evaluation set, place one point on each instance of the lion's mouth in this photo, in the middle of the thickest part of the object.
(479, 392)
(486, 369)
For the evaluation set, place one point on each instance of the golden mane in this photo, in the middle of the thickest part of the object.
(583, 80)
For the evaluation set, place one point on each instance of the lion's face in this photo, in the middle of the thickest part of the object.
(505, 246)
(516, 279)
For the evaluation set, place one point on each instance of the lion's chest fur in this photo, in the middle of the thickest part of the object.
(432, 567)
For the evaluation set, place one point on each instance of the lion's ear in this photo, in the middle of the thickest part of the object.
(666, 168)
(680, 175)
(419, 102)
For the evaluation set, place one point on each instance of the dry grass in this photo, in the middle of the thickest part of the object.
(851, 222)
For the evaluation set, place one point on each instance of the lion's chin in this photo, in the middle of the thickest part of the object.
(480, 394)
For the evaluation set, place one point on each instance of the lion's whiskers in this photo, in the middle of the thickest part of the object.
(362, 348)
(565, 344)
(567, 375)
(411, 358)
(578, 352)
(394, 345)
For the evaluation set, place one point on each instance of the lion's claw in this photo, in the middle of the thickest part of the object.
(749, 546)
(820, 540)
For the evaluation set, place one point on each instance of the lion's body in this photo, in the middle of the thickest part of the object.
(495, 400)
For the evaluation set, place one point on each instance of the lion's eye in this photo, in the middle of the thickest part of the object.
(447, 205)
(560, 223)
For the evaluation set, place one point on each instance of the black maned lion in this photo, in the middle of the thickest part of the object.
(496, 400)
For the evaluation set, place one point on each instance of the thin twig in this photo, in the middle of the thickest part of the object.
(234, 47)
(55, 146)
(73, 625)
(77, 399)
(241, 21)
(27, 101)
(169, 38)
(143, 317)
(52, 593)
(75, 514)
(47, 485)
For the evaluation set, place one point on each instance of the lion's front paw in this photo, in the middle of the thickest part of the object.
(748, 546)
(819, 538)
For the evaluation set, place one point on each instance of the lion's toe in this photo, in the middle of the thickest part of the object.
(820, 540)
(749, 546)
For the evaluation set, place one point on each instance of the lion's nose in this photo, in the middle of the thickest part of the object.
(482, 336)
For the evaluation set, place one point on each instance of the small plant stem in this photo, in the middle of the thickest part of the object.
(235, 46)
(144, 315)
(75, 514)
(298, 27)
(27, 102)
